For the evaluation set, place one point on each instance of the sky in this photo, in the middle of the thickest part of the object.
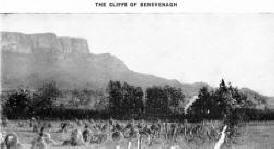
(189, 47)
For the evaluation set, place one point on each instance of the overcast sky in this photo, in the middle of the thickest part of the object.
(186, 47)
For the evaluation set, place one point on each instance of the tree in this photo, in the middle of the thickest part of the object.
(175, 97)
(232, 102)
(18, 103)
(125, 100)
(220, 103)
(138, 104)
(114, 90)
(222, 99)
(47, 94)
(202, 107)
(156, 101)
(132, 99)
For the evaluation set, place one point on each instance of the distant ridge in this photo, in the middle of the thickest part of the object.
(28, 59)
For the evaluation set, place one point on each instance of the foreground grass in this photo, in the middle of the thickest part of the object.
(256, 135)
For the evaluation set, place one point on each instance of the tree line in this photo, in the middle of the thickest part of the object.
(124, 101)
(24, 102)
(129, 101)
(219, 103)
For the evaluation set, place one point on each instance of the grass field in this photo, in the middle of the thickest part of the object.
(255, 135)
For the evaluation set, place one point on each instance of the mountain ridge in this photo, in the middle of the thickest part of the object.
(29, 58)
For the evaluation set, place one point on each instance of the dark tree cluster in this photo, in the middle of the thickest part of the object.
(124, 101)
(22, 103)
(127, 101)
(163, 100)
(18, 104)
(221, 103)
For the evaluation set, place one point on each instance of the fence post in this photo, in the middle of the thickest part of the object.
(129, 145)
(140, 142)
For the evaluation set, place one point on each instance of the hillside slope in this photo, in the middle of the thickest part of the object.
(29, 59)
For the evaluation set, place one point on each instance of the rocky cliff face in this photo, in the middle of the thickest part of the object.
(42, 43)
(29, 59)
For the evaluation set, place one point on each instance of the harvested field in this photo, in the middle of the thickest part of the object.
(255, 135)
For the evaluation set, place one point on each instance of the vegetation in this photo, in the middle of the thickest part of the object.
(226, 104)
(25, 103)
(124, 101)
(219, 103)
(163, 100)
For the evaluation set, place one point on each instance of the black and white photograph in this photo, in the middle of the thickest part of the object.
(137, 81)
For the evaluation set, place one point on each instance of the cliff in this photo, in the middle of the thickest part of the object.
(41, 43)
(28, 59)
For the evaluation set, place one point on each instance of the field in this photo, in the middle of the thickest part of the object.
(255, 135)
